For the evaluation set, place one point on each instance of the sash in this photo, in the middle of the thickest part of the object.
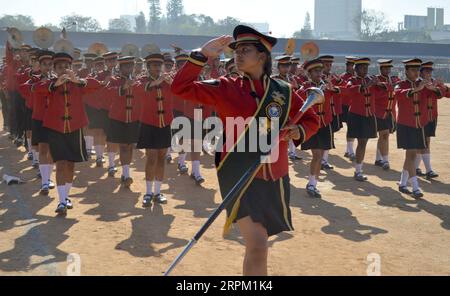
(275, 103)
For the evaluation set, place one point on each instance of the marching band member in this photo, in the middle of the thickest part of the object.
(385, 111)
(346, 102)
(361, 118)
(262, 210)
(65, 118)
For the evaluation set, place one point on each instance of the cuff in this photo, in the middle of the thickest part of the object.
(302, 136)
(197, 58)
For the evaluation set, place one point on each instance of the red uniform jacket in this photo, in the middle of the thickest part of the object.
(411, 107)
(156, 102)
(65, 112)
(432, 102)
(336, 102)
(39, 101)
(385, 101)
(346, 100)
(363, 100)
(232, 98)
(124, 104)
(322, 110)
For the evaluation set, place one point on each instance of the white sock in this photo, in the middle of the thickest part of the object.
(50, 171)
(312, 181)
(158, 187)
(61, 193)
(182, 159)
(358, 168)
(126, 171)
(386, 158)
(30, 149)
(325, 156)
(379, 157)
(418, 160)
(427, 162)
(111, 156)
(149, 185)
(196, 168)
(68, 187)
(414, 183)
(89, 142)
(43, 169)
(350, 147)
(404, 178)
(292, 147)
(99, 149)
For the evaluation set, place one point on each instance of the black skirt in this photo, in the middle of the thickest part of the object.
(28, 119)
(70, 147)
(39, 133)
(152, 137)
(122, 133)
(387, 124)
(344, 114)
(98, 119)
(336, 124)
(410, 138)
(430, 129)
(267, 202)
(322, 140)
(361, 127)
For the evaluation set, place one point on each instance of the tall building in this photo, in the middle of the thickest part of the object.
(337, 19)
(415, 22)
(439, 18)
(431, 18)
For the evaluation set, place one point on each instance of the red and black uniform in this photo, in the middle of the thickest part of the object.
(385, 103)
(411, 119)
(324, 138)
(361, 118)
(65, 117)
(289, 79)
(39, 103)
(156, 114)
(432, 110)
(241, 97)
(336, 104)
(25, 93)
(124, 112)
(16, 105)
(346, 100)
(3, 98)
(95, 103)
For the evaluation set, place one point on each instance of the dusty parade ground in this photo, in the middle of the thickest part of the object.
(111, 234)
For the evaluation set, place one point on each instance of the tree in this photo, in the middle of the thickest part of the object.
(154, 22)
(174, 10)
(118, 25)
(227, 25)
(21, 22)
(306, 31)
(371, 23)
(79, 23)
(141, 26)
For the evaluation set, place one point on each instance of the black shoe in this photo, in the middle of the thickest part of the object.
(44, 190)
(386, 166)
(159, 198)
(168, 158)
(126, 182)
(347, 155)
(404, 189)
(379, 163)
(30, 156)
(69, 204)
(61, 209)
(35, 165)
(313, 191)
(148, 198)
(360, 177)
(417, 194)
(327, 166)
(99, 162)
(431, 175)
(38, 175)
(199, 180)
(352, 157)
(182, 168)
(294, 157)
(112, 171)
(420, 173)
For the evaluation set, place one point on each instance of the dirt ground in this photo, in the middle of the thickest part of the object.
(338, 235)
